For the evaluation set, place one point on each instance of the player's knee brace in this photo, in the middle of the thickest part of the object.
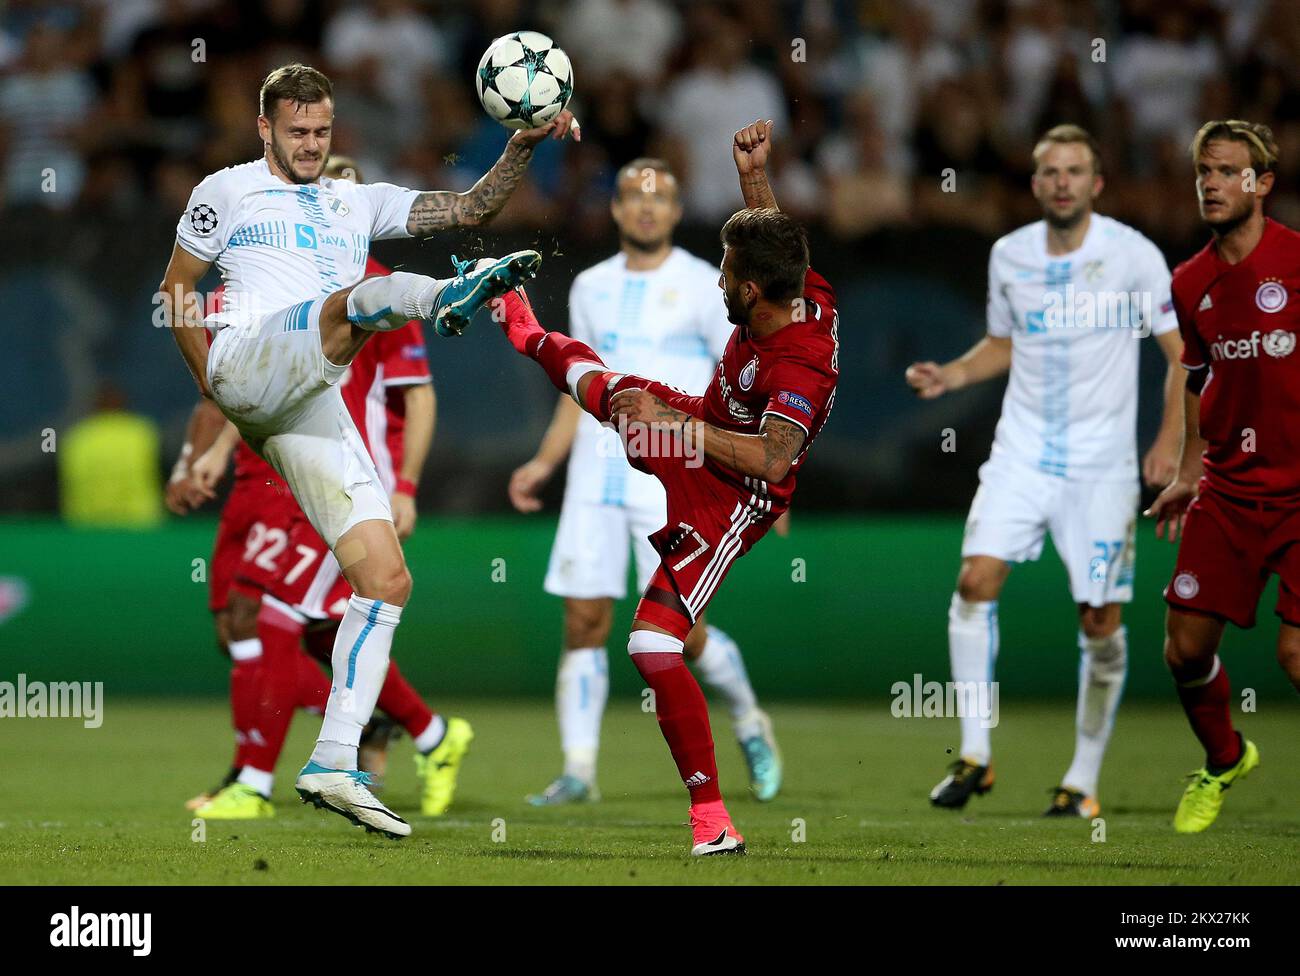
(389, 302)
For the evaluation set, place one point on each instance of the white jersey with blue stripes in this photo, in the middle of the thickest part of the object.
(668, 324)
(1070, 408)
(278, 243)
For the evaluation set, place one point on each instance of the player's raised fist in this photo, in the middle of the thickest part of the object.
(562, 125)
(751, 146)
(927, 380)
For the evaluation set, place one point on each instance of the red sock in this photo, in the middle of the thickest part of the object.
(556, 354)
(515, 313)
(684, 720)
(1208, 707)
(243, 704)
(313, 686)
(402, 703)
(278, 685)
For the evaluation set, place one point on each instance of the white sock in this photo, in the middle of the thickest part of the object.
(581, 690)
(1103, 665)
(390, 301)
(246, 650)
(723, 670)
(431, 737)
(972, 652)
(257, 779)
(360, 663)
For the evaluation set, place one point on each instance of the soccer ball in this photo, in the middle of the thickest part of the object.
(524, 80)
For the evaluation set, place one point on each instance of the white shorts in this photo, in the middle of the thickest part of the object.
(271, 379)
(590, 555)
(1093, 524)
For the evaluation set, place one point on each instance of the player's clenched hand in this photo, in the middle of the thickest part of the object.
(751, 146)
(559, 127)
(927, 380)
(403, 506)
(1170, 508)
(525, 484)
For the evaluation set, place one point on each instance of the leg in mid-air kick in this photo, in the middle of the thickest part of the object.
(662, 621)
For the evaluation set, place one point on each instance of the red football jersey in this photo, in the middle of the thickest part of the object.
(791, 373)
(1240, 322)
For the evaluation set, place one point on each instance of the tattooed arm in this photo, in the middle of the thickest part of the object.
(440, 209)
(767, 454)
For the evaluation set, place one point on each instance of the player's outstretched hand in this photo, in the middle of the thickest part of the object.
(526, 485)
(927, 380)
(1170, 508)
(751, 146)
(559, 127)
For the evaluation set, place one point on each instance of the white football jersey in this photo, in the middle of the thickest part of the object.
(1074, 319)
(277, 244)
(669, 324)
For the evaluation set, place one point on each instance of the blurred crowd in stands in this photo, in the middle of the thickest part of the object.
(122, 104)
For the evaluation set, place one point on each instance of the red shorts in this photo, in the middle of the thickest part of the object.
(1230, 548)
(711, 524)
(305, 574)
(241, 532)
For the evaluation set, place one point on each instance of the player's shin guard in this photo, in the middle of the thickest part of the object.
(1103, 666)
(360, 663)
(388, 302)
(1206, 698)
(972, 652)
(682, 712)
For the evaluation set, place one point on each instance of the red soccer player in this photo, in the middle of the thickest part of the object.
(727, 460)
(1236, 497)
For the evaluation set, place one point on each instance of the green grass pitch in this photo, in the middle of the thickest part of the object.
(104, 806)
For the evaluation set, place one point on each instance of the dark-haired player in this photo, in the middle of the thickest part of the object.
(1236, 497)
(727, 459)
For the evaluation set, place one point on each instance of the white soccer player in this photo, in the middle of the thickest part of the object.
(1067, 297)
(653, 309)
(291, 246)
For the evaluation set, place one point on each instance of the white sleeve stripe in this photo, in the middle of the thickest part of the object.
(408, 380)
(1192, 368)
(776, 413)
